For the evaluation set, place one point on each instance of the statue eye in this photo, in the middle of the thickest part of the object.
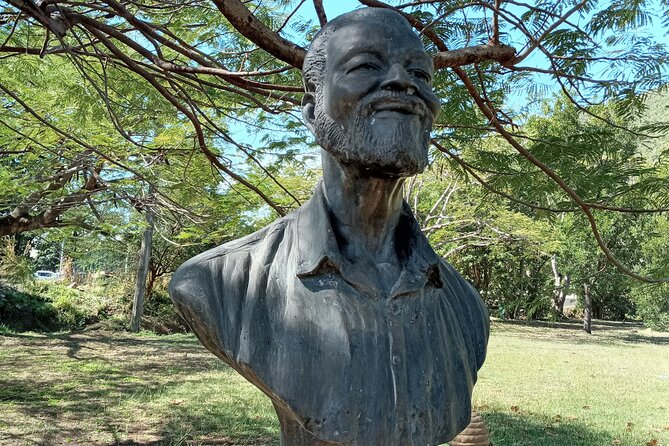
(421, 75)
(365, 66)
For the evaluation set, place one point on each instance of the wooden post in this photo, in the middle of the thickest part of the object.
(142, 272)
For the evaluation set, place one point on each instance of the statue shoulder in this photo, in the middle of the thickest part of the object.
(472, 312)
(216, 280)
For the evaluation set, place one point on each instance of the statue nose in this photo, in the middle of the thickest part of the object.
(397, 78)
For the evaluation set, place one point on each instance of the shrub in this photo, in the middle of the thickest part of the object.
(652, 305)
(69, 309)
(21, 311)
(15, 269)
(55, 306)
(159, 314)
(48, 306)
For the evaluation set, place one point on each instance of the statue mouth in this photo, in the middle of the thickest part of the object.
(403, 104)
(397, 108)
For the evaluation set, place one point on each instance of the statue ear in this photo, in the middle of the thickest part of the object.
(308, 110)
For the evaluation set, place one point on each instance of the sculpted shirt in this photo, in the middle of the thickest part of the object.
(351, 366)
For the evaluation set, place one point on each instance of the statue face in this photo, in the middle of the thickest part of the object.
(376, 106)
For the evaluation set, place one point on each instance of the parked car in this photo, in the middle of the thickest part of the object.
(46, 275)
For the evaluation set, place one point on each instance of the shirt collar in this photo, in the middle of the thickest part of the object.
(317, 250)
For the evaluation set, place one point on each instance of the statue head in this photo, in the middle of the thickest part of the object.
(368, 92)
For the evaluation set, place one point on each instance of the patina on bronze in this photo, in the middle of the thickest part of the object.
(341, 312)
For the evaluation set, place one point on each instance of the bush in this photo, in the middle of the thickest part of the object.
(159, 314)
(15, 269)
(49, 306)
(54, 306)
(69, 308)
(87, 304)
(21, 311)
(652, 305)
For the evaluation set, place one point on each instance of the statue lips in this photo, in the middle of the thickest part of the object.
(401, 103)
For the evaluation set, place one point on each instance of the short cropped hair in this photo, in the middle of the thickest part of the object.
(314, 65)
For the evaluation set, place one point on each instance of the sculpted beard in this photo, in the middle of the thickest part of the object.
(388, 146)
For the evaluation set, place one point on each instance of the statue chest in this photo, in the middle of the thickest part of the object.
(347, 366)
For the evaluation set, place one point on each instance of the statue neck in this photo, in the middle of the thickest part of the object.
(364, 210)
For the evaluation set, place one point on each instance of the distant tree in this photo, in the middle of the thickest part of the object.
(504, 253)
(521, 258)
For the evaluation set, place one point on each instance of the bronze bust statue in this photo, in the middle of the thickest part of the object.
(341, 312)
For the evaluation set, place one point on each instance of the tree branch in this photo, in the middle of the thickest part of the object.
(253, 29)
(191, 117)
(503, 54)
(320, 12)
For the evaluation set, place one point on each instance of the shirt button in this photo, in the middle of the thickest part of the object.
(396, 360)
(394, 308)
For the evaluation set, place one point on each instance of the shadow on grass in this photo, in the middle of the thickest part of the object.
(90, 388)
(534, 430)
(231, 424)
(603, 332)
(51, 411)
(76, 341)
(574, 324)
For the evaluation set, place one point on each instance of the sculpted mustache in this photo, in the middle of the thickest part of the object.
(392, 99)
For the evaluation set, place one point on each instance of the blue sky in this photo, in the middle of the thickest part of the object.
(332, 8)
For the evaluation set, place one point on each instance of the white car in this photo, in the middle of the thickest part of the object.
(46, 275)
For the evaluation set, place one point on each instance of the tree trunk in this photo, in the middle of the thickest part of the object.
(557, 283)
(587, 308)
(561, 289)
(142, 272)
(150, 281)
(566, 281)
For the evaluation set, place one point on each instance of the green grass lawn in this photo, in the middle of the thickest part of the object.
(542, 385)
(552, 384)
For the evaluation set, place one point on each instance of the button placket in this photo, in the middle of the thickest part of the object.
(397, 361)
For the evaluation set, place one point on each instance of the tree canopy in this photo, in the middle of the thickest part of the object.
(103, 100)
